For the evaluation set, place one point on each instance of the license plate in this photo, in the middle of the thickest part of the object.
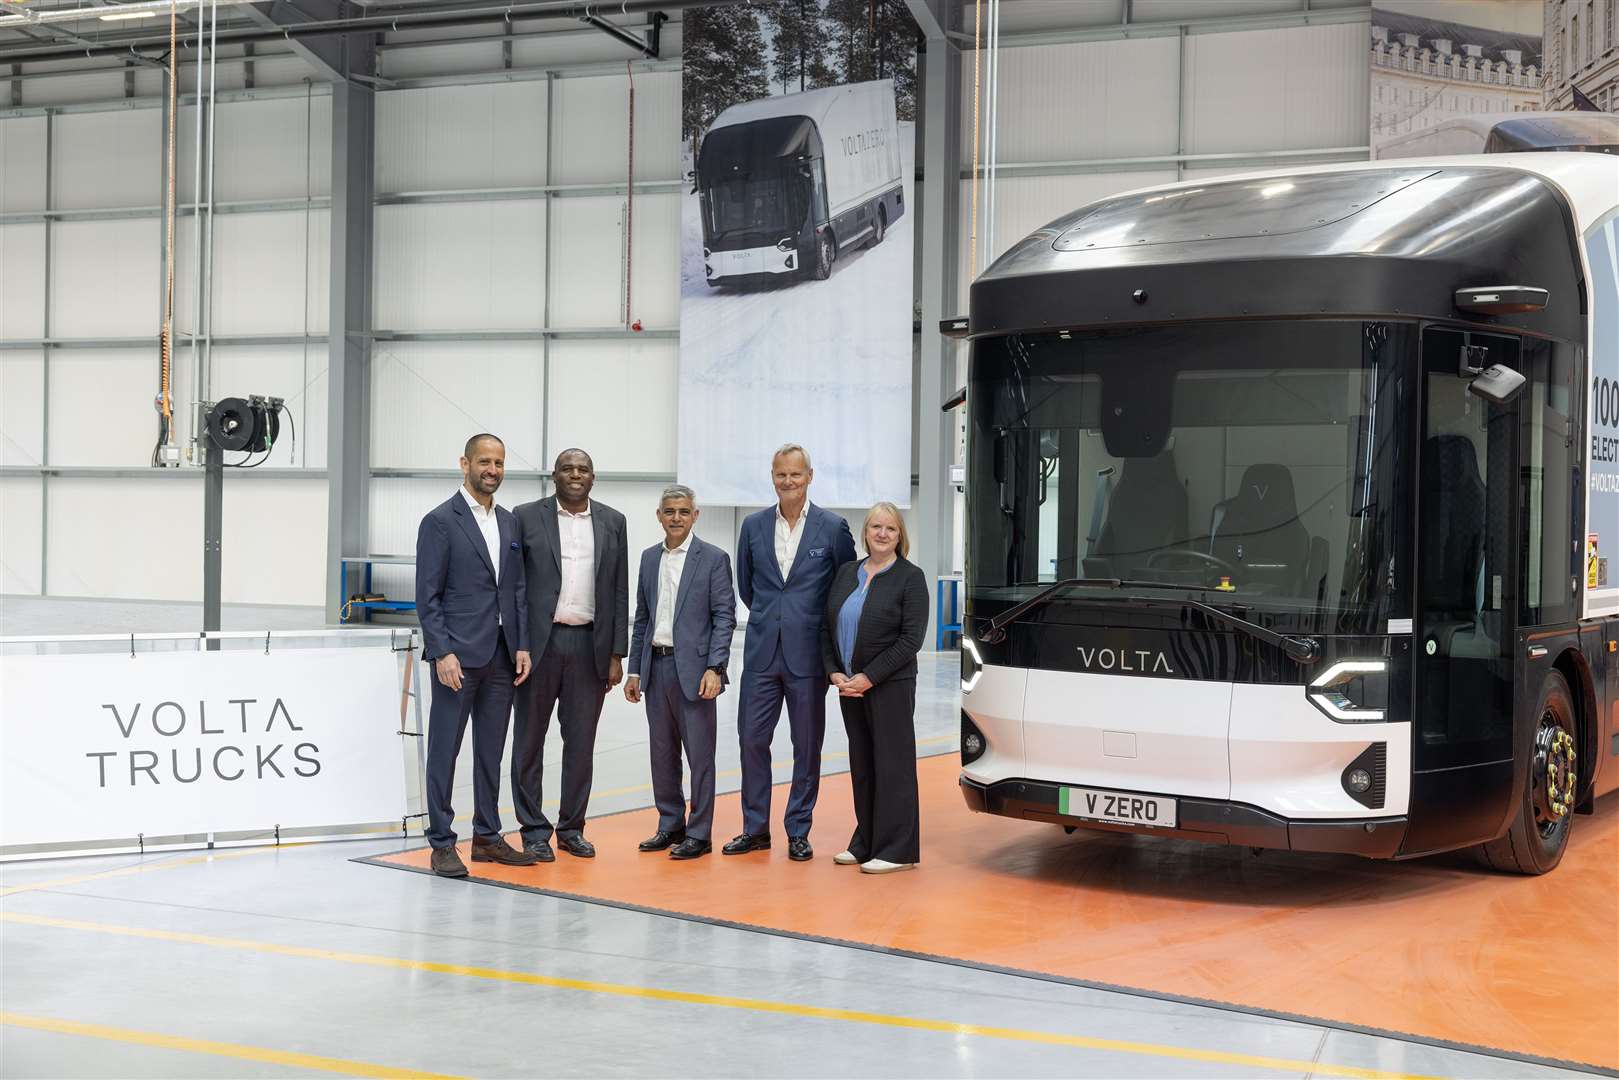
(1116, 806)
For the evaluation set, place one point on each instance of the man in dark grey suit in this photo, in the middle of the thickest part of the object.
(685, 613)
(576, 554)
(473, 605)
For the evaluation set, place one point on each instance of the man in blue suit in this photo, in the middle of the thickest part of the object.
(685, 613)
(786, 559)
(472, 599)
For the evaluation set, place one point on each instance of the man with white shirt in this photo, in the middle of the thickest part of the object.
(685, 613)
(576, 554)
(471, 598)
(786, 558)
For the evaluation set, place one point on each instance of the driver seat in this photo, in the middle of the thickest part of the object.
(1146, 514)
(1260, 532)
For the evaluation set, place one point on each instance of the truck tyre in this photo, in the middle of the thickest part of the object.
(1538, 836)
(826, 253)
(880, 229)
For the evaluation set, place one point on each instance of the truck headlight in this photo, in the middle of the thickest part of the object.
(972, 665)
(1353, 691)
(786, 243)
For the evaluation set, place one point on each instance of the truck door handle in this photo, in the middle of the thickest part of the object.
(1537, 652)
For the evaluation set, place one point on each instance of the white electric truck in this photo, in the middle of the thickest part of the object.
(786, 183)
(1293, 508)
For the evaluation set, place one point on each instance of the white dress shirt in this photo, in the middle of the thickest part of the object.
(488, 525)
(576, 601)
(788, 537)
(671, 564)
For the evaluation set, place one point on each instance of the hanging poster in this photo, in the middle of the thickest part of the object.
(1445, 72)
(796, 248)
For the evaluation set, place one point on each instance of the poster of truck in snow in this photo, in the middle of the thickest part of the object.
(797, 257)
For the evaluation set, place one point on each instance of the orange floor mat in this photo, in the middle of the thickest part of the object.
(1436, 948)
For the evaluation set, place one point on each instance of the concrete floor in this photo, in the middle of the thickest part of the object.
(234, 963)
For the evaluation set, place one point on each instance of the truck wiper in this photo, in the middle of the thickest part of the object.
(1301, 649)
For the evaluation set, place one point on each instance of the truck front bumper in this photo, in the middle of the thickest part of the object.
(1207, 820)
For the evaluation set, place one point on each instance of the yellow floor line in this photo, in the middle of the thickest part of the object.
(144, 868)
(816, 1012)
(207, 1046)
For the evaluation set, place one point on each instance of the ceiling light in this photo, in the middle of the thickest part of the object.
(119, 15)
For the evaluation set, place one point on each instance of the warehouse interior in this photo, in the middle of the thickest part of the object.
(404, 222)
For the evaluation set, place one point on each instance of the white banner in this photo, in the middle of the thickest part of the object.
(101, 747)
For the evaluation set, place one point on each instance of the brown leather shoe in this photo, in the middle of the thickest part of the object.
(446, 863)
(498, 850)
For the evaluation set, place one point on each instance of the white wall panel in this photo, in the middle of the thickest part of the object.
(284, 371)
(488, 135)
(103, 159)
(1099, 99)
(588, 253)
(265, 564)
(262, 149)
(592, 125)
(428, 397)
(618, 400)
(128, 538)
(1166, 10)
(443, 266)
(69, 89)
(104, 278)
(1284, 89)
(22, 281)
(261, 269)
(101, 406)
(459, 59)
(22, 407)
(21, 499)
(22, 163)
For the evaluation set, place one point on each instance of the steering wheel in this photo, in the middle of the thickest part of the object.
(1213, 562)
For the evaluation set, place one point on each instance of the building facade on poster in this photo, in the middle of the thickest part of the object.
(1425, 71)
(1582, 39)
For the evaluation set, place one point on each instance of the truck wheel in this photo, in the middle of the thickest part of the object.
(826, 253)
(1535, 842)
(881, 228)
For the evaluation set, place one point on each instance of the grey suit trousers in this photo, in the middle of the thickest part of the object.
(674, 722)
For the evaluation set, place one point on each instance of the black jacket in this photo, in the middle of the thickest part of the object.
(893, 622)
(542, 558)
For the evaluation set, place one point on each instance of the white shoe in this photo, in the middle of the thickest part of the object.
(845, 858)
(880, 866)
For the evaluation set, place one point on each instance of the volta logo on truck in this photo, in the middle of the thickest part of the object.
(1132, 660)
(861, 141)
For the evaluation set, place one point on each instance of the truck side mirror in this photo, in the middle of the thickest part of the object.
(1498, 384)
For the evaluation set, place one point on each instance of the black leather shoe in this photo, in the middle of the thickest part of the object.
(799, 850)
(446, 863)
(743, 844)
(498, 850)
(660, 840)
(577, 846)
(540, 849)
(690, 848)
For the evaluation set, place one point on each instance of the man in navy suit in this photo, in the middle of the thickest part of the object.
(472, 599)
(786, 559)
(685, 613)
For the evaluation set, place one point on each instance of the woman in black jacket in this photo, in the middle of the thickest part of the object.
(876, 618)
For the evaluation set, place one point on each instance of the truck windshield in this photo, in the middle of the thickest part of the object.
(755, 204)
(1263, 467)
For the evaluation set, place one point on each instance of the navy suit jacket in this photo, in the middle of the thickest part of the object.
(541, 539)
(705, 614)
(456, 596)
(789, 613)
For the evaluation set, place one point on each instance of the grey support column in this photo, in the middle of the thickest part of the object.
(940, 152)
(348, 415)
